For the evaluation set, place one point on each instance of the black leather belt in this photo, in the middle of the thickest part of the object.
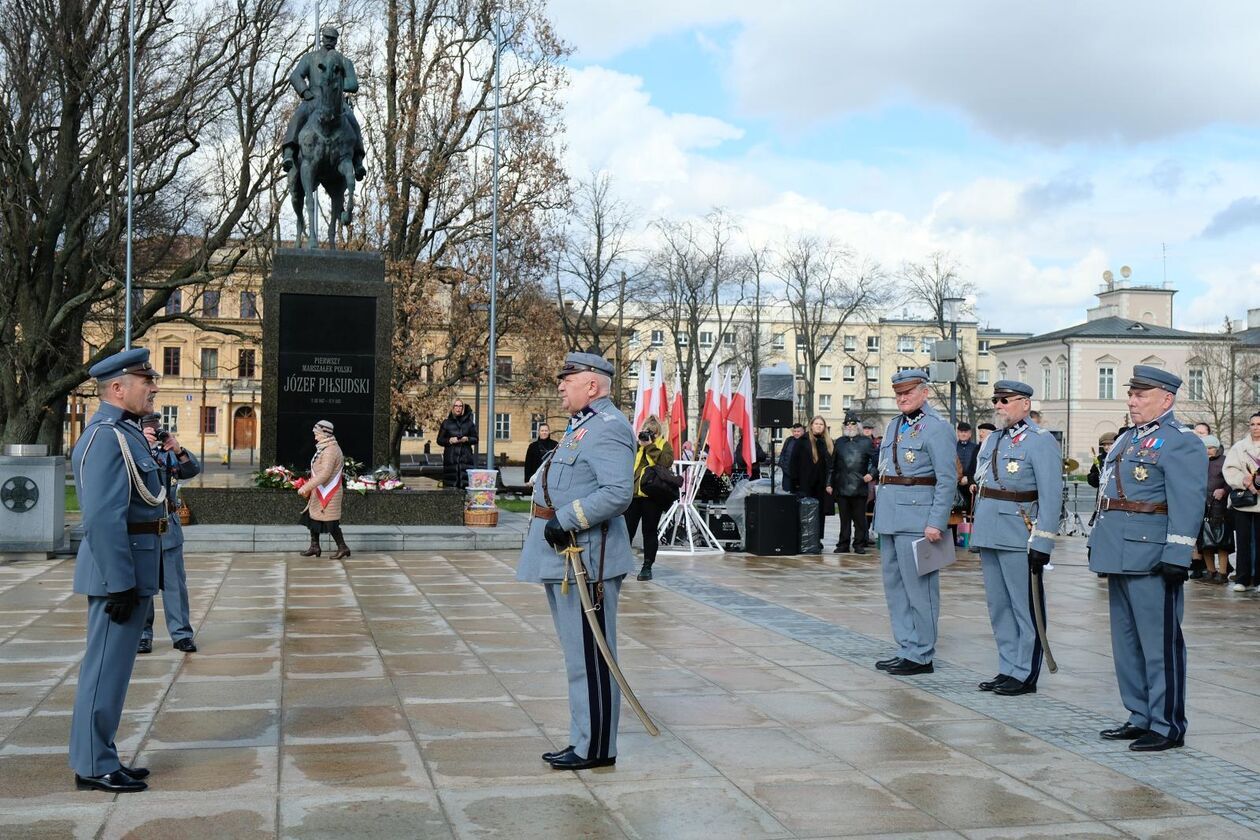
(920, 481)
(1008, 495)
(155, 526)
(1108, 503)
(541, 512)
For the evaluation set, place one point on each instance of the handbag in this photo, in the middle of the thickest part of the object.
(1216, 535)
(1241, 497)
(660, 485)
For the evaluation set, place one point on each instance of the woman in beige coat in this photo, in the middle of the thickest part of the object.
(323, 492)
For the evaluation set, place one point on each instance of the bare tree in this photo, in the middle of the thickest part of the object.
(1217, 378)
(210, 80)
(927, 285)
(824, 286)
(429, 122)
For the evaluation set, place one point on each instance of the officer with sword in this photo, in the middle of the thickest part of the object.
(578, 548)
(1019, 478)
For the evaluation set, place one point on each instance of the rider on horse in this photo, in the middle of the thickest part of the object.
(305, 79)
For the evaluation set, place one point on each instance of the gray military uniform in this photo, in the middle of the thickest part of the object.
(174, 579)
(1022, 459)
(919, 450)
(1159, 463)
(110, 559)
(589, 479)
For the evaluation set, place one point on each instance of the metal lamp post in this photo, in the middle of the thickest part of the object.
(494, 248)
(951, 308)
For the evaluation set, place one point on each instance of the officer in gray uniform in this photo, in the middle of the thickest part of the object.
(1019, 473)
(918, 474)
(581, 490)
(1153, 487)
(175, 463)
(124, 516)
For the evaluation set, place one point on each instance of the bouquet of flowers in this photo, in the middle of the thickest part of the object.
(280, 478)
(380, 479)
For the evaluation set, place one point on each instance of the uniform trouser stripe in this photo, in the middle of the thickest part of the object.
(1035, 665)
(598, 687)
(1174, 666)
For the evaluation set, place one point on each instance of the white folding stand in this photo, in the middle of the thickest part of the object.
(696, 538)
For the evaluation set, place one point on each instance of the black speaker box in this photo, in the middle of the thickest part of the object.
(773, 525)
(774, 413)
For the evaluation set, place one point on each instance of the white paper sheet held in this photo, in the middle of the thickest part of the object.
(933, 556)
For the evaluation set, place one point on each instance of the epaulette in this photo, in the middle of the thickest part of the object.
(1041, 430)
(1187, 429)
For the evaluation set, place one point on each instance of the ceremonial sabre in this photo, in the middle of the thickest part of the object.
(1039, 622)
(574, 555)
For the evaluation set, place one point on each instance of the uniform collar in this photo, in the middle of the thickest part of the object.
(1019, 428)
(1146, 428)
(910, 419)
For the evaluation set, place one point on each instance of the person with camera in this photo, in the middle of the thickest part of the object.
(1242, 465)
(124, 516)
(654, 451)
(174, 463)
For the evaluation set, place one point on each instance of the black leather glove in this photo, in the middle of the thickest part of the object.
(1173, 574)
(118, 605)
(555, 535)
(1037, 560)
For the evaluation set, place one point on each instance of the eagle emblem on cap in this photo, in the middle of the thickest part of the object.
(1140, 472)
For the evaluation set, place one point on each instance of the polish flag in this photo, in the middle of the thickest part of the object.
(716, 404)
(677, 417)
(640, 397)
(656, 399)
(740, 417)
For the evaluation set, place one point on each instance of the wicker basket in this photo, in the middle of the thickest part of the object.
(184, 514)
(481, 518)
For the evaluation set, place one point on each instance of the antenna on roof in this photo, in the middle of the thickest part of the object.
(1164, 247)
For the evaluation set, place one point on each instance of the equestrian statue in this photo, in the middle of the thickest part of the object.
(323, 145)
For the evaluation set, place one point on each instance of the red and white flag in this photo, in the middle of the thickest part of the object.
(656, 398)
(640, 397)
(677, 417)
(716, 403)
(740, 417)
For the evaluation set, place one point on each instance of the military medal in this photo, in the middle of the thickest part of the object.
(1012, 467)
(1140, 473)
(910, 457)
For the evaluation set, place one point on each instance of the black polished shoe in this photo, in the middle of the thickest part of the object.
(552, 756)
(885, 664)
(840, 549)
(989, 685)
(1154, 742)
(859, 549)
(1013, 688)
(116, 782)
(146, 646)
(1128, 732)
(135, 772)
(646, 572)
(185, 645)
(572, 761)
(906, 668)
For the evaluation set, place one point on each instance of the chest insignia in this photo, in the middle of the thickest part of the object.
(1012, 467)
(915, 431)
(1140, 473)
(579, 434)
(910, 456)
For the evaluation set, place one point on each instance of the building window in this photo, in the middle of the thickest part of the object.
(850, 373)
(502, 425)
(503, 368)
(1045, 382)
(1194, 385)
(846, 401)
(982, 346)
(777, 342)
(872, 344)
(658, 338)
(800, 342)
(728, 339)
(535, 420)
(170, 418)
(249, 305)
(245, 364)
(900, 368)
(776, 434)
(1063, 384)
(170, 361)
(1255, 388)
(824, 402)
(209, 363)
(925, 344)
(872, 373)
(824, 373)
(850, 344)
(706, 338)
(210, 304)
(905, 344)
(175, 303)
(209, 420)
(800, 370)
(982, 377)
(683, 340)
(633, 338)
(1106, 383)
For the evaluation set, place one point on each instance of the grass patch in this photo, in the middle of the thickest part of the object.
(72, 499)
(513, 505)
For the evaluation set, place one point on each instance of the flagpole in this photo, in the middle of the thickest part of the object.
(131, 142)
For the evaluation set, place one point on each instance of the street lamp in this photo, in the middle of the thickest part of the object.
(951, 310)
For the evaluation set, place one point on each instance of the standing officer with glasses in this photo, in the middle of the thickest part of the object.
(1019, 473)
(1152, 493)
(124, 516)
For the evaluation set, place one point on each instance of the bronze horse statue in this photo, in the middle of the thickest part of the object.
(325, 158)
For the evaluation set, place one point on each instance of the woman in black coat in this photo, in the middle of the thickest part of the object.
(811, 468)
(537, 450)
(458, 435)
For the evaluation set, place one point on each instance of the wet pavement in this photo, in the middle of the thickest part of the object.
(410, 694)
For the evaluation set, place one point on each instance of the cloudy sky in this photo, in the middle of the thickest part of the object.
(1040, 143)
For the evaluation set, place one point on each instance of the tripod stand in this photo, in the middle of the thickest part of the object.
(1070, 523)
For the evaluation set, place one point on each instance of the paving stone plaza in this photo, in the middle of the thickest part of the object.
(410, 694)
